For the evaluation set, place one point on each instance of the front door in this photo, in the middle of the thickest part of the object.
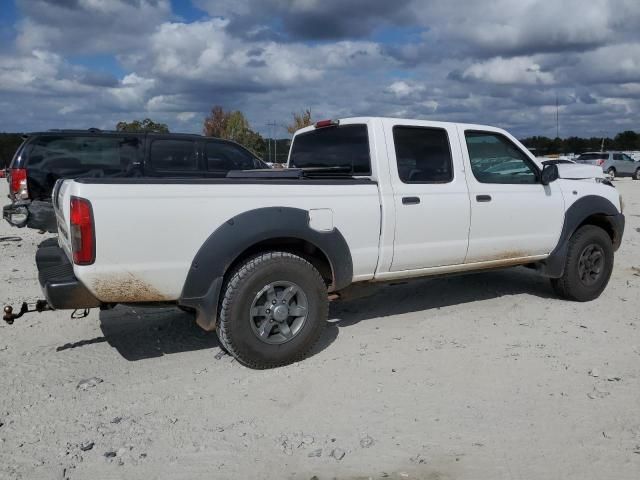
(430, 195)
(512, 214)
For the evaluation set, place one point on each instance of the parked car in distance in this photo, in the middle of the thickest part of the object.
(615, 164)
(364, 199)
(45, 157)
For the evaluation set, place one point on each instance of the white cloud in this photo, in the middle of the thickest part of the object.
(510, 71)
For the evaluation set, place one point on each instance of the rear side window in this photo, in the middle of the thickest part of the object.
(174, 155)
(617, 156)
(423, 155)
(344, 146)
(593, 156)
(227, 156)
(73, 154)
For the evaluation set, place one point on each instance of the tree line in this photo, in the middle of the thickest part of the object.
(626, 141)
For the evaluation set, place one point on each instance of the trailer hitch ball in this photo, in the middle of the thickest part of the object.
(8, 314)
(39, 306)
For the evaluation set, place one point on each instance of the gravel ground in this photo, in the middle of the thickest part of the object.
(485, 376)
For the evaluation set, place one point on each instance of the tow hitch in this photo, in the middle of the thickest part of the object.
(39, 306)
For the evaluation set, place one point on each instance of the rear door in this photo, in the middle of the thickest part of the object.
(624, 164)
(429, 193)
(512, 214)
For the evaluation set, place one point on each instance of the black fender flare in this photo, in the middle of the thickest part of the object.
(575, 216)
(202, 287)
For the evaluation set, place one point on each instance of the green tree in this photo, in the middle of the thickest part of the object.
(300, 120)
(146, 125)
(627, 140)
(233, 125)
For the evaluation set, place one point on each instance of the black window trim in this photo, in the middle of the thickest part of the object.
(418, 182)
(342, 125)
(536, 170)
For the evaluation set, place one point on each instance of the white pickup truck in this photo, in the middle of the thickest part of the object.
(364, 199)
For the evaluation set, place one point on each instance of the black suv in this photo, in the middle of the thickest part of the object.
(45, 157)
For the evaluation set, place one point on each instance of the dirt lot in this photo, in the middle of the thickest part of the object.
(486, 376)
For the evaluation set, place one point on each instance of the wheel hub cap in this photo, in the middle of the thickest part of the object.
(591, 264)
(278, 312)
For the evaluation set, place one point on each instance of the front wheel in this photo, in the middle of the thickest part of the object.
(636, 176)
(588, 265)
(274, 309)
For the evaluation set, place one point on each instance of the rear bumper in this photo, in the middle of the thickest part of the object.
(60, 286)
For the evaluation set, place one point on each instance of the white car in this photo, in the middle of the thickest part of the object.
(363, 200)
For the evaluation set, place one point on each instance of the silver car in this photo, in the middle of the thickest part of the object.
(615, 164)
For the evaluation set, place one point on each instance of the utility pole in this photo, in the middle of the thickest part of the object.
(275, 141)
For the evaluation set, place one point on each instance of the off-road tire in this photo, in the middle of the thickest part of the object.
(570, 285)
(243, 284)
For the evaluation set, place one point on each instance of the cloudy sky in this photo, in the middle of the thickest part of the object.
(84, 63)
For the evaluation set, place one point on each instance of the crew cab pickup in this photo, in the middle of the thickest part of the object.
(255, 254)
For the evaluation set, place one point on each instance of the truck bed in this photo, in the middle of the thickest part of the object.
(135, 263)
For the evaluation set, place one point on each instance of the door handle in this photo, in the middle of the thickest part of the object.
(410, 200)
(483, 198)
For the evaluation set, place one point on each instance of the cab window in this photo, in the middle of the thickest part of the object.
(345, 146)
(422, 154)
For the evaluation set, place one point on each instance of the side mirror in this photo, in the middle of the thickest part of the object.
(549, 174)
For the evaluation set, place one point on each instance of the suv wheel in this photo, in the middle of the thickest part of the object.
(588, 265)
(636, 176)
(274, 309)
(611, 172)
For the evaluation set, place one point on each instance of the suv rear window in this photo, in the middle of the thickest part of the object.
(67, 155)
(343, 146)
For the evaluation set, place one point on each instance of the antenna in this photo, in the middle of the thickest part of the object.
(557, 119)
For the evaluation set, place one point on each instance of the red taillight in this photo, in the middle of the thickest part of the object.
(600, 162)
(326, 123)
(83, 241)
(18, 185)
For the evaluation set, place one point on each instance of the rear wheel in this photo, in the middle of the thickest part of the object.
(274, 310)
(588, 265)
(611, 172)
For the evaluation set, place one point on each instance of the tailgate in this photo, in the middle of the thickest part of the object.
(61, 200)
